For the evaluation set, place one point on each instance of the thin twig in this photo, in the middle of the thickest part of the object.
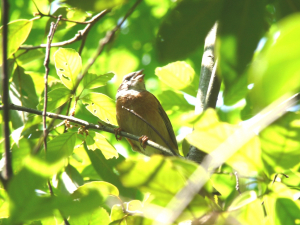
(103, 42)
(8, 172)
(88, 125)
(77, 37)
(153, 128)
(47, 69)
(237, 186)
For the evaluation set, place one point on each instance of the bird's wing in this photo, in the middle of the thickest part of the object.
(168, 124)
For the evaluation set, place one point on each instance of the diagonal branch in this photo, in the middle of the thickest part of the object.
(88, 125)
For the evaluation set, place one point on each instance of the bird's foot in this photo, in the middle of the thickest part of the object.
(143, 140)
(117, 133)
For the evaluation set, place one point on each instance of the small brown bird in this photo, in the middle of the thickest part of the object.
(132, 94)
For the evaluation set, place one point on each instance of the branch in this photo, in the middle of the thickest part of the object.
(104, 41)
(237, 186)
(77, 37)
(47, 69)
(88, 125)
(8, 172)
(209, 87)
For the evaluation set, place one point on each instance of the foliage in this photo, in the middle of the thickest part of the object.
(97, 180)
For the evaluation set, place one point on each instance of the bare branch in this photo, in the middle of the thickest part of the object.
(77, 37)
(237, 186)
(8, 172)
(88, 125)
(47, 69)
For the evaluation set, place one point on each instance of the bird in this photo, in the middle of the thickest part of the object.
(132, 95)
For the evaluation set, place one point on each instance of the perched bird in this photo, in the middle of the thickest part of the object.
(132, 94)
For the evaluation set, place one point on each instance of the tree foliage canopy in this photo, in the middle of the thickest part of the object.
(83, 175)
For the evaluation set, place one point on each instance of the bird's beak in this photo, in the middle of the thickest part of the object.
(139, 75)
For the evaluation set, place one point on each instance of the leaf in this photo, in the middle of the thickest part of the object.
(210, 133)
(185, 28)
(239, 30)
(61, 147)
(174, 101)
(95, 141)
(178, 75)
(24, 56)
(56, 98)
(18, 32)
(252, 211)
(107, 171)
(94, 5)
(24, 201)
(280, 143)
(163, 178)
(101, 106)
(68, 66)
(287, 211)
(92, 81)
(133, 209)
(275, 71)
(95, 217)
(242, 200)
(24, 88)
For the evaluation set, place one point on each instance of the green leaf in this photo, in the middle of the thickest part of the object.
(101, 106)
(4, 206)
(95, 141)
(178, 75)
(94, 5)
(163, 178)
(18, 32)
(243, 199)
(186, 27)
(61, 147)
(174, 101)
(280, 143)
(210, 133)
(24, 56)
(92, 81)
(56, 98)
(131, 215)
(275, 71)
(107, 171)
(117, 213)
(287, 211)
(239, 30)
(74, 175)
(24, 201)
(68, 66)
(252, 211)
(24, 88)
(95, 217)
